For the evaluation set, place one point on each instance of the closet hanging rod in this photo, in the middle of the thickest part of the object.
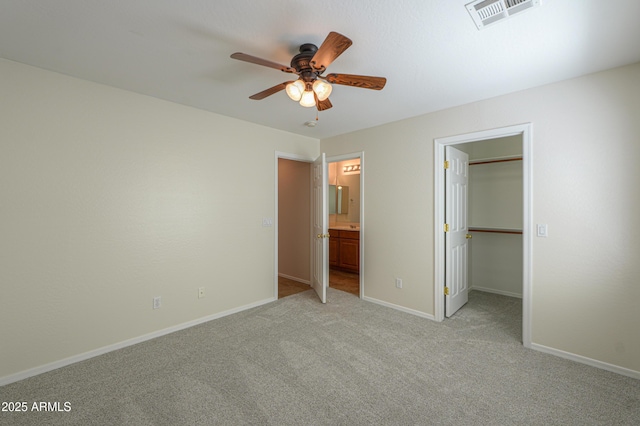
(494, 160)
(496, 230)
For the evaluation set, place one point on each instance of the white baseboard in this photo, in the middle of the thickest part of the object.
(500, 292)
(399, 308)
(300, 280)
(100, 351)
(541, 348)
(588, 361)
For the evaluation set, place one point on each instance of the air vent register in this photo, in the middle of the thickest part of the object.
(487, 12)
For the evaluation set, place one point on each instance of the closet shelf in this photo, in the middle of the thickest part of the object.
(496, 230)
(494, 160)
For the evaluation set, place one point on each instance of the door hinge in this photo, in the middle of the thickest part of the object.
(446, 290)
(446, 164)
(446, 227)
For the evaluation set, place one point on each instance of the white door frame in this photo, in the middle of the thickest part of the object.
(353, 156)
(525, 130)
(303, 159)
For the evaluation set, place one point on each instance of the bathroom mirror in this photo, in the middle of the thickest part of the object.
(338, 199)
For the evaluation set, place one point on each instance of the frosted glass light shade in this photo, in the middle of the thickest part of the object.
(308, 99)
(294, 90)
(322, 89)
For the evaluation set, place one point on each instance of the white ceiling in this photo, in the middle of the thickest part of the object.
(430, 51)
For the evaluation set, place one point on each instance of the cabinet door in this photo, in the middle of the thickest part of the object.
(349, 254)
(334, 250)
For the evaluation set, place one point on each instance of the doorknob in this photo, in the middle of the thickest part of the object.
(469, 236)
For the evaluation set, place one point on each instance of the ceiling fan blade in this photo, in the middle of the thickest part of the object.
(364, 81)
(331, 48)
(323, 105)
(270, 91)
(259, 61)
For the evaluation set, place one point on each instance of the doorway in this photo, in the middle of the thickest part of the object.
(303, 241)
(344, 225)
(292, 225)
(524, 132)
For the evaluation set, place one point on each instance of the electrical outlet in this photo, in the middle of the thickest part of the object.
(267, 222)
(398, 282)
(157, 302)
(200, 292)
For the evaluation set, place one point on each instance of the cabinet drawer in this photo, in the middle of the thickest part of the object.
(350, 235)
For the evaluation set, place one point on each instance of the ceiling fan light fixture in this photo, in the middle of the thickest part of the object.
(322, 89)
(310, 64)
(295, 90)
(308, 99)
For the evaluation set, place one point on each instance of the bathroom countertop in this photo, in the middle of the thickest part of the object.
(344, 227)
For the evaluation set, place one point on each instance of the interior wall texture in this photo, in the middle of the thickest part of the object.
(585, 295)
(110, 198)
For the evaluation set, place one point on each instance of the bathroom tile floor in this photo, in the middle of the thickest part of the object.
(339, 280)
(287, 287)
(345, 281)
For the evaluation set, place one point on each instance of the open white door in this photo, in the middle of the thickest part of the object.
(320, 231)
(456, 228)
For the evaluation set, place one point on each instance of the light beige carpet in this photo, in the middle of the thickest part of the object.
(349, 362)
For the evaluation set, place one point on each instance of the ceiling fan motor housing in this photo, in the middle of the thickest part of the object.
(302, 62)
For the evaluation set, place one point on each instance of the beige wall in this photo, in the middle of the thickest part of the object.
(495, 195)
(294, 220)
(110, 198)
(495, 189)
(585, 148)
(495, 263)
(509, 146)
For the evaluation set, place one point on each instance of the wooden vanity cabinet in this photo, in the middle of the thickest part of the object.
(334, 247)
(344, 250)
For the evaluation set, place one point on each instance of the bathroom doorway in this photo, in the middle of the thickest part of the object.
(293, 224)
(345, 179)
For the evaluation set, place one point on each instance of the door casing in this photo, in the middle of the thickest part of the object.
(526, 131)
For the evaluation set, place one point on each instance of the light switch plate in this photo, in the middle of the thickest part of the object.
(542, 230)
(267, 222)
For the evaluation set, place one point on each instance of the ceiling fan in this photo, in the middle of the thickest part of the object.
(312, 88)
